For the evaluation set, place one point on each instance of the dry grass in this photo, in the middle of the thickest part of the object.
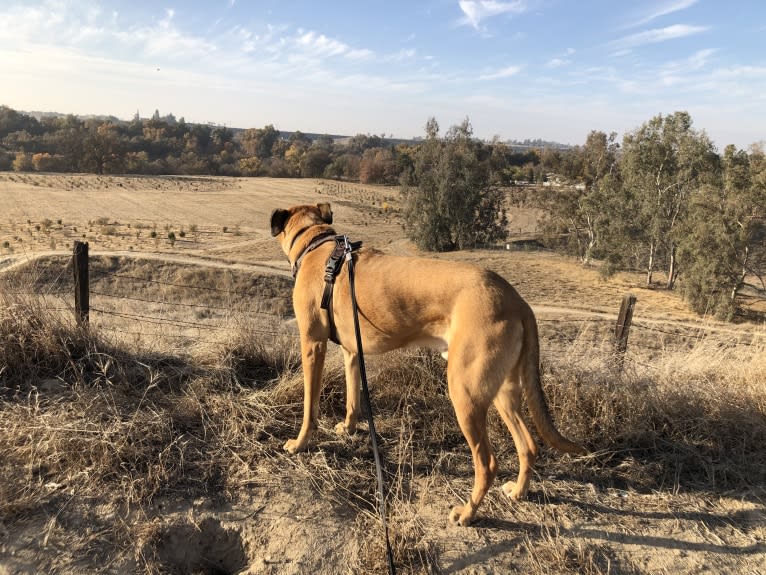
(553, 553)
(689, 419)
(221, 217)
(86, 419)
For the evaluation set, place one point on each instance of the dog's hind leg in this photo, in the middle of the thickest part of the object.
(351, 363)
(507, 403)
(472, 416)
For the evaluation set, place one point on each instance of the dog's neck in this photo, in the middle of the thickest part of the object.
(305, 241)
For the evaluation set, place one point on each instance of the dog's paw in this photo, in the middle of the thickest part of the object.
(461, 515)
(343, 429)
(293, 446)
(514, 491)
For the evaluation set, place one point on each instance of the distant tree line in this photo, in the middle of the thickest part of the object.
(166, 145)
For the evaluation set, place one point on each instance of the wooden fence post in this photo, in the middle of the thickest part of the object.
(81, 285)
(622, 329)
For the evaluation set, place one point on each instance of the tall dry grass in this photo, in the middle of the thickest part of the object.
(85, 415)
(684, 419)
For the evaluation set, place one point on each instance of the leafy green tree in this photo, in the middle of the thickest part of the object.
(279, 168)
(551, 160)
(299, 137)
(249, 166)
(663, 163)
(221, 138)
(314, 162)
(294, 154)
(136, 163)
(6, 161)
(198, 138)
(582, 214)
(13, 121)
(344, 166)
(725, 235)
(101, 149)
(21, 141)
(259, 142)
(361, 142)
(449, 201)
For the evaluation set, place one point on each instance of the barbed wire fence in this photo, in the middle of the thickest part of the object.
(120, 303)
(92, 298)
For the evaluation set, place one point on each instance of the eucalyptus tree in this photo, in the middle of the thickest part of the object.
(724, 240)
(583, 213)
(663, 163)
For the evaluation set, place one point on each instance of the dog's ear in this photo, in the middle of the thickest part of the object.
(278, 221)
(325, 212)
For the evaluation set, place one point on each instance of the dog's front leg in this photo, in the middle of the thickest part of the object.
(313, 354)
(353, 382)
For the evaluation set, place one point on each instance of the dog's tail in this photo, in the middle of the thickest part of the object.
(538, 406)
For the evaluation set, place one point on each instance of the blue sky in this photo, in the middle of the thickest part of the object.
(552, 69)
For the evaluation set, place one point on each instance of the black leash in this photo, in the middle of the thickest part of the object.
(348, 248)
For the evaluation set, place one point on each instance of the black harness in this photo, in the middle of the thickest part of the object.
(342, 250)
(323, 238)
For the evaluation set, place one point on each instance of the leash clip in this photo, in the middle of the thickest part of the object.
(347, 248)
(350, 247)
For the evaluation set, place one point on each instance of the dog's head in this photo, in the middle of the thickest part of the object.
(287, 225)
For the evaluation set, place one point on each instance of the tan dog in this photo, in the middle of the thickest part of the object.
(489, 331)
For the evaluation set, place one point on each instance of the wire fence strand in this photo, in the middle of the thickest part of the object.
(53, 282)
(162, 302)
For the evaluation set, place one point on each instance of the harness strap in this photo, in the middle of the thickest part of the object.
(331, 271)
(323, 238)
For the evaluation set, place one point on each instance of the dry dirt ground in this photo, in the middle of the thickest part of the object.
(295, 522)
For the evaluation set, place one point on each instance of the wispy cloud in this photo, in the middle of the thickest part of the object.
(502, 73)
(161, 40)
(561, 60)
(84, 27)
(657, 35)
(403, 55)
(51, 22)
(164, 39)
(557, 62)
(668, 7)
(321, 45)
(475, 11)
(700, 58)
(694, 79)
(686, 71)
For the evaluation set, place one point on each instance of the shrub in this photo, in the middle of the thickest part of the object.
(450, 201)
